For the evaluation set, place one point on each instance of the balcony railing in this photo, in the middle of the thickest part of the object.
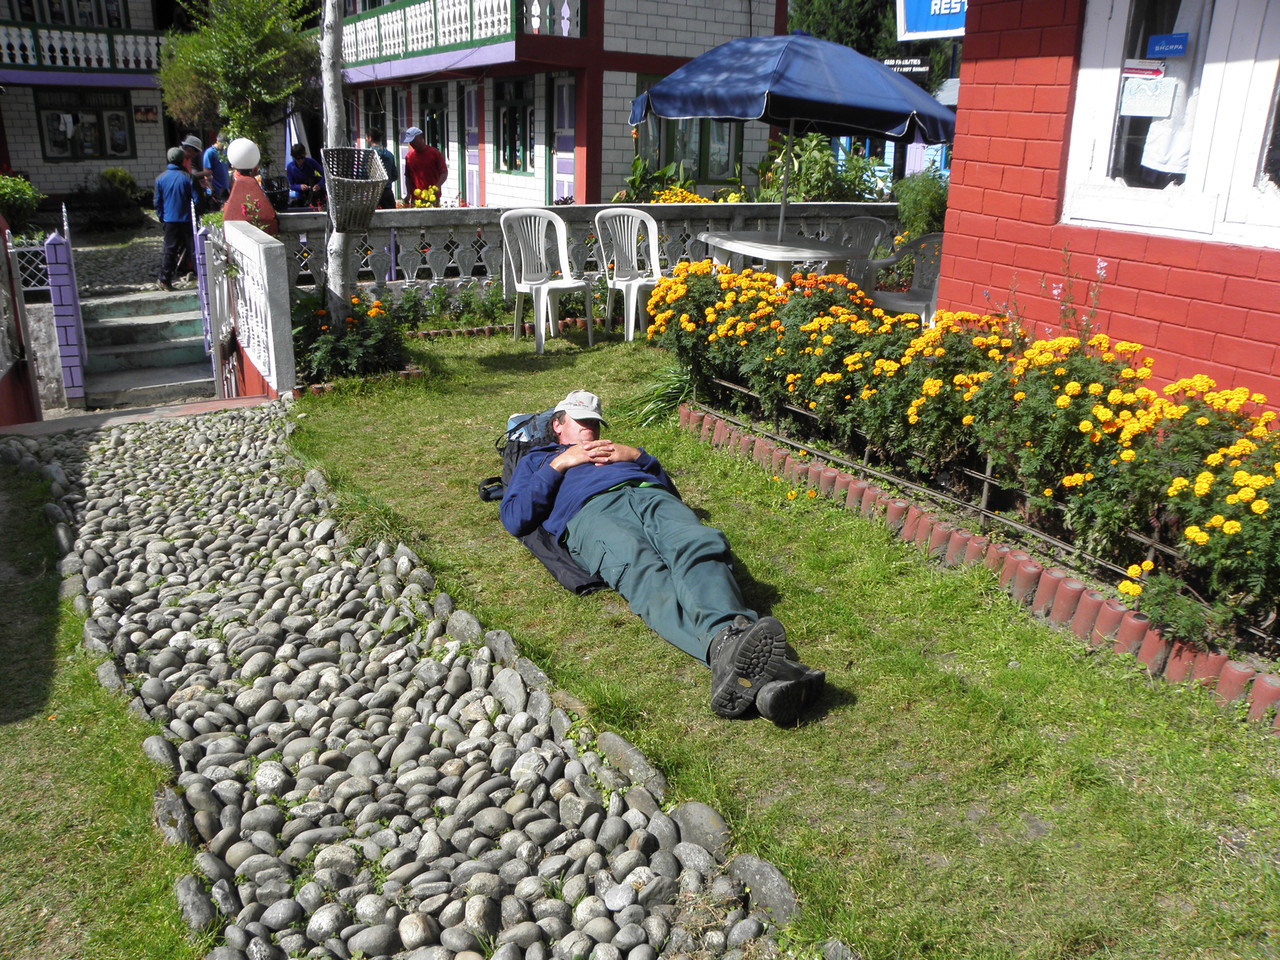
(413, 27)
(79, 48)
(457, 246)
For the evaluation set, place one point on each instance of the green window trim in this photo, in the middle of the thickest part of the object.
(514, 127)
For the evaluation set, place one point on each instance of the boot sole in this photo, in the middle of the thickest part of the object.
(761, 655)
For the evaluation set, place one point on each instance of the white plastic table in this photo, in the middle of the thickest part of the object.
(777, 256)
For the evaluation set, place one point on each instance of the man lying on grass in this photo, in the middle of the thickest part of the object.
(618, 513)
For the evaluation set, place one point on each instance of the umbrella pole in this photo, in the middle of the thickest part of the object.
(786, 171)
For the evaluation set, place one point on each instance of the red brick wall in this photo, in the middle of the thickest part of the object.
(1198, 307)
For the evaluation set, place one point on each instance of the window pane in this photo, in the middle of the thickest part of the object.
(720, 153)
(1270, 172)
(1158, 95)
(684, 146)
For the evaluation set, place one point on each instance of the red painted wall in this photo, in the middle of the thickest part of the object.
(1198, 307)
(249, 382)
(17, 397)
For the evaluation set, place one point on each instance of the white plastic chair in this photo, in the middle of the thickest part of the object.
(618, 229)
(922, 297)
(862, 235)
(529, 258)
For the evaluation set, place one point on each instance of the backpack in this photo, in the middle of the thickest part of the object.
(525, 432)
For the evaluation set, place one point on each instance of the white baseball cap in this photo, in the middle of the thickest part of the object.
(410, 134)
(581, 405)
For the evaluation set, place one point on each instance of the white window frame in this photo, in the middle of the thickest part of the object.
(1220, 199)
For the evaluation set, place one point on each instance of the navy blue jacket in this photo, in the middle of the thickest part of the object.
(174, 195)
(538, 495)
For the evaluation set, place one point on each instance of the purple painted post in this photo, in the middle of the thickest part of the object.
(65, 300)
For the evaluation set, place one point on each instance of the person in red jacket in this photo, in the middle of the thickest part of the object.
(424, 167)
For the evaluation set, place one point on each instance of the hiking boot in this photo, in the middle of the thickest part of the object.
(743, 657)
(164, 284)
(795, 688)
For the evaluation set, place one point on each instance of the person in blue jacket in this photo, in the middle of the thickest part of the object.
(306, 178)
(621, 518)
(173, 198)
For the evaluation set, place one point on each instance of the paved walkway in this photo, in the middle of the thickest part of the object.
(111, 418)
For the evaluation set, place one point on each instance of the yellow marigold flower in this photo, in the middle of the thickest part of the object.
(1095, 389)
(1229, 528)
(1072, 388)
(1062, 402)
(1216, 520)
(1191, 532)
(1148, 565)
(1246, 494)
(1134, 570)
(1048, 491)
(1086, 426)
(1127, 455)
(791, 494)
(1259, 506)
(1129, 588)
(1019, 395)
(1202, 421)
(1203, 538)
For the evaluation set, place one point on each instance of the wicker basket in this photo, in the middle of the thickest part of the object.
(354, 178)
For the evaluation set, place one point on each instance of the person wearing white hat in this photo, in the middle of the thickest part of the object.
(424, 165)
(618, 513)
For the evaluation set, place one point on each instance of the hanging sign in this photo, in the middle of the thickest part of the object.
(1167, 45)
(926, 19)
(1145, 90)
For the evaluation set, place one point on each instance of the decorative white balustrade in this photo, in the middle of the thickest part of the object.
(246, 287)
(456, 246)
(412, 28)
(22, 45)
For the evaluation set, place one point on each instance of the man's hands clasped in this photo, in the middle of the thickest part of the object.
(598, 452)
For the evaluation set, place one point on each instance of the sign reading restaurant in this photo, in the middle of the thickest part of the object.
(926, 19)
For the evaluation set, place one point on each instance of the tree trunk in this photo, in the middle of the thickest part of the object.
(335, 135)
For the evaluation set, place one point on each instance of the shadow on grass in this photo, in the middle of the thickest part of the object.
(28, 597)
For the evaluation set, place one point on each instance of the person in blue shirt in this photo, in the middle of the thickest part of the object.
(173, 198)
(306, 178)
(215, 162)
(621, 518)
(373, 140)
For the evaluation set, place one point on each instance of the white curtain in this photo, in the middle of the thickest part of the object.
(1168, 144)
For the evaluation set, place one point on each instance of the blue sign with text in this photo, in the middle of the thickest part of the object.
(1165, 45)
(925, 19)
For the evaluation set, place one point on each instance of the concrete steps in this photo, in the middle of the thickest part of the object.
(145, 348)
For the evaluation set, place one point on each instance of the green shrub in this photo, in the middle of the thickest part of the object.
(922, 202)
(1067, 420)
(117, 178)
(365, 341)
(105, 205)
(18, 202)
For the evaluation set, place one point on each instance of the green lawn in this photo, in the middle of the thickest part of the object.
(83, 872)
(976, 785)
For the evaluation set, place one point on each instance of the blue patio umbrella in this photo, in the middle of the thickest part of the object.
(802, 83)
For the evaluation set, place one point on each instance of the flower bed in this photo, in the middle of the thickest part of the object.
(1168, 483)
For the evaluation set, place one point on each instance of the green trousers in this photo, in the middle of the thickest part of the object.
(672, 569)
